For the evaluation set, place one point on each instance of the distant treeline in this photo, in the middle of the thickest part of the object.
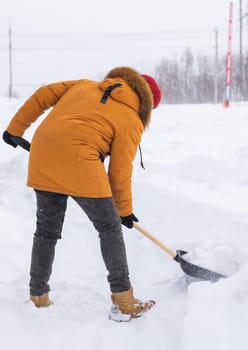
(191, 79)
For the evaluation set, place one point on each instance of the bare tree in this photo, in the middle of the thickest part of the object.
(191, 80)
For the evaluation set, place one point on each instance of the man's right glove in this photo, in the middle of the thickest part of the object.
(128, 220)
(7, 137)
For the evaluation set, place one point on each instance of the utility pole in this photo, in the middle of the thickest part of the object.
(241, 62)
(241, 47)
(216, 67)
(10, 62)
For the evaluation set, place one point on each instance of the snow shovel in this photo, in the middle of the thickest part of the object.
(190, 269)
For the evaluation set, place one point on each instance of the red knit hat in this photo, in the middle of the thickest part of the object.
(156, 92)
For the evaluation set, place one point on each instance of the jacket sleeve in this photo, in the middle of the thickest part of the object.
(123, 151)
(42, 99)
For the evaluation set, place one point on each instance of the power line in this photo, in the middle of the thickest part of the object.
(62, 35)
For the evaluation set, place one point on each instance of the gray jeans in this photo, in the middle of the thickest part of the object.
(51, 208)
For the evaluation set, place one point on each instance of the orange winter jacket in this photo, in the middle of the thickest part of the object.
(83, 128)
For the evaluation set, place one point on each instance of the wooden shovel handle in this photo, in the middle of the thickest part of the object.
(155, 240)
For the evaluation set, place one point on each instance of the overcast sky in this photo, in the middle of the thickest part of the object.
(112, 14)
(58, 39)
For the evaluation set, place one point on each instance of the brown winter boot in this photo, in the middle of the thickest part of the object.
(41, 300)
(126, 306)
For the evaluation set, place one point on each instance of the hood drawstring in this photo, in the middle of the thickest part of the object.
(108, 91)
(141, 158)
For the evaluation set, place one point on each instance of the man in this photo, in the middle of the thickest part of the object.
(89, 121)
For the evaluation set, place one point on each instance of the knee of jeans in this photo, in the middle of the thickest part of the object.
(49, 227)
(52, 235)
(108, 226)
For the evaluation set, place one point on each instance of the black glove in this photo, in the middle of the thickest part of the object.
(7, 138)
(128, 220)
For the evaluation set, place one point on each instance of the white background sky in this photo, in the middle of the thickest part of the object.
(55, 40)
(156, 14)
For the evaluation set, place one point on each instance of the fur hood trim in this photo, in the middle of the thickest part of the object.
(139, 85)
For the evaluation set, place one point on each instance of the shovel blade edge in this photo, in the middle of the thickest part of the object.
(196, 271)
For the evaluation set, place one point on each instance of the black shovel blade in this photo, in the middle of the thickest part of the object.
(195, 270)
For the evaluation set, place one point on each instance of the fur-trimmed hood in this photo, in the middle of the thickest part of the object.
(139, 85)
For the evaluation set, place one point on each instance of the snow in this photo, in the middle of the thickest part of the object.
(193, 196)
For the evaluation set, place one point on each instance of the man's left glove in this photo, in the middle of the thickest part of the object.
(128, 220)
(7, 137)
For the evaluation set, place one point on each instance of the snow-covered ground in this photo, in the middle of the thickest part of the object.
(193, 196)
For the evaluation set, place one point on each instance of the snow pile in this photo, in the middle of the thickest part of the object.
(193, 196)
(219, 258)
